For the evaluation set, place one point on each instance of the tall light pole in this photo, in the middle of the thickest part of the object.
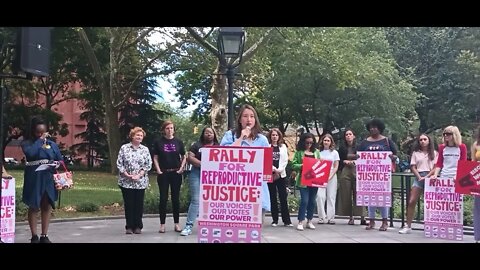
(230, 42)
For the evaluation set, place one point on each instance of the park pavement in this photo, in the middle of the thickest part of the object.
(111, 230)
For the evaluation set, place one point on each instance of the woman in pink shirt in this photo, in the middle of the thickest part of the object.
(422, 163)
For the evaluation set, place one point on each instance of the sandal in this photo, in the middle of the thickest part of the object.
(162, 229)
(383, 228)
(370, 226)
(177, 228)
(351, 222)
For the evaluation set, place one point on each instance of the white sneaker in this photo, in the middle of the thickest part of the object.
(321, 221)
(274, 224)
(310, 225)
(300, 227)
(405, 230)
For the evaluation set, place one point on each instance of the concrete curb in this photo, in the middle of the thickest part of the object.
(467, 230)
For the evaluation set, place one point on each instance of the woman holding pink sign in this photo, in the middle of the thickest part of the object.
(377, 142)
(248, 133)
(476, 204)
(449, 153)
(306, 147)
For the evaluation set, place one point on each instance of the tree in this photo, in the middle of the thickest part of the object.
(115, 79)
(320, 76)
(442, 64)
(194, 83)
(94, 143)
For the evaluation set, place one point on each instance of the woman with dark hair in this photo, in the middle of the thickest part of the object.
(306, 147)
(208, 137)
(377, 142)
(169, 160)
(475, 154)
(134, 162)
(39, 192)
(422, 163)
(347, 191)
(280, 161)
(248, 133)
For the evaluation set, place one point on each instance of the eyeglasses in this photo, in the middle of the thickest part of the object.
(447, 133)
(423, 139)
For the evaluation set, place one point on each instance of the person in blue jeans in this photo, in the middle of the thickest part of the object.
(306, 147)
(207, 137)
(377, 142)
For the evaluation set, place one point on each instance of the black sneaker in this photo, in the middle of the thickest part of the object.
(44, 239)
(34, 239)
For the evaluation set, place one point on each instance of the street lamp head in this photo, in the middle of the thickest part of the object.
(231, 41)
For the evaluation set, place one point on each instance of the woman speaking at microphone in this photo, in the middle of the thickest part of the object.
(39, 192)
(248, 133)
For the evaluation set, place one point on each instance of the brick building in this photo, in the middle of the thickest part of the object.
(70, 110)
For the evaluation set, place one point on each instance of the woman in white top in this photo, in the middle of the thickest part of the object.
(328, 152)
(422, 163)
(280, 161)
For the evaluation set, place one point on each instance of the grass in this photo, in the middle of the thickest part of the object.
(98, 188)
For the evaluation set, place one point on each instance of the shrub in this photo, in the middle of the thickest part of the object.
(21, 209)
(87, 207)
(293, 203)
(152, 199)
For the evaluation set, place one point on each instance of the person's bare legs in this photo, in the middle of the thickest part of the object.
(45, 213)
(32, 220)
(414, 195)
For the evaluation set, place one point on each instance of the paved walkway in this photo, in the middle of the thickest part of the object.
(112, 231)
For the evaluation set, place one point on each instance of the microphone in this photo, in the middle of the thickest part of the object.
(245, 136)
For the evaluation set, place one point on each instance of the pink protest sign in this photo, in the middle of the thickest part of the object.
(7, 213)
(443, 209)
(374, 179)
(230, 194)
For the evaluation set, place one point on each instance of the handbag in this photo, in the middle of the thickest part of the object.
(63, 180)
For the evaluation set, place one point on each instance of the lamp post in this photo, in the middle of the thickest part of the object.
(230, 42)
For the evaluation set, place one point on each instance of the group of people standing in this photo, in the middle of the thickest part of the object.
(169, 160)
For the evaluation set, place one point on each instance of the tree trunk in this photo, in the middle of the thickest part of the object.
(219, 93)
(113, 132)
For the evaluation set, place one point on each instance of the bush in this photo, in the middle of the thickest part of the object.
(87, 207)
(152, 199)
(293, 204)
(21, 209)
(467, 210)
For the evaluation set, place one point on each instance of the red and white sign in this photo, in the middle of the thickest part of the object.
(315, 172)
(468, 177)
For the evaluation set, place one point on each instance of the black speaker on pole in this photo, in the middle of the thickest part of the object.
(33, 51)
